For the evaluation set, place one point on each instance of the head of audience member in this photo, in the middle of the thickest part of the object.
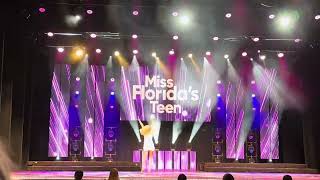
(287, 177)
(114, 175)
(5, 163)
(182, 177)
(78, 175)
(228, 177)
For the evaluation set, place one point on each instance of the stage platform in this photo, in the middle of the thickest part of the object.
(158, 175)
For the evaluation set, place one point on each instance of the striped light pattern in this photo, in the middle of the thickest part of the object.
(59, 116)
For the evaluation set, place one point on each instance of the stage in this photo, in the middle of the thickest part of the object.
(158, 175)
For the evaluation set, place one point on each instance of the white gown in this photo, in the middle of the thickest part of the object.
(148, 144)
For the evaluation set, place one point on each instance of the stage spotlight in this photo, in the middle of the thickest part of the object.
(112, 79)
(112, 93)
(270, 160)
(287, 20)
(111, 107)
(226, 56)
(175, 14)
(184, 20)
(50, 34)
(171, 52)
(58, 158)
(228, 15)
(280, 55)
(42, 9)
(208, 53)
(135, 13)
(258, 51)
(116, 53)
(272, 16)
(77, 78)
(262, 57)
(78, 17)
(244, 54)
(253, 109)
(77, 106)
(253, 95)
(317, 17)
(93, 35)
(60, 49)
(77, 92)
(190, 55)
(216, 38)
(98, 51)
(219, 82)
(90, 120)
(181, 59)
(92, 158)
(154, 54)
(89, 11)
(218, 95)
(175, 37)
(256, 39)
(253, 82)
(251, 59)
(134, 36)
(184, 113)
(297, 40)
(79, 52)
(135, 51)
(208, 104)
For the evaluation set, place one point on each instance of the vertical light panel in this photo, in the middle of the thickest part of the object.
(193, 160)
(176, 160)
(154, 160)
(184, 160)
(59, 117)
(94, 116)
(168, 160)
(160, 160)
(269, 124)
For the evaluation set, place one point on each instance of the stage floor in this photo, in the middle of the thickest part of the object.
(158, 175)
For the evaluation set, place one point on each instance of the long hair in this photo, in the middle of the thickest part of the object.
(5, 163)
(114, 175)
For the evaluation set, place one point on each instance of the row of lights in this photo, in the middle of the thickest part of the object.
(175, 14)
(174, 37)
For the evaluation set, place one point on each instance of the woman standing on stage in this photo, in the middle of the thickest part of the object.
(147, 131)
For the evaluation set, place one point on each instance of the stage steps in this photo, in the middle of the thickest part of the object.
(257, 167)
(82, 165)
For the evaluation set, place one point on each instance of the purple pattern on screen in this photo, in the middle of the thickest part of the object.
(168, 160)
(160, 160)
(136, 156)
(176, 160)
(184, 160)
(59, 117)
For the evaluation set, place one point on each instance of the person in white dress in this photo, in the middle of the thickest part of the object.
(147, 132)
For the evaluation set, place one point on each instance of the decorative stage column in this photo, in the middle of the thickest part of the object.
(59, 116)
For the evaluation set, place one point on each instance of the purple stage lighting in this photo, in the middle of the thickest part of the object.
(77, 92)
(228, 15)
(134, 36)
(208, 53)
(244, 54)
(77, 78)
(111, 107)
(171, 52)
(184, 113)
(219, 82)
(89, 11)
(98, 51)
(90, 120)
(175, 37)
(92, 35)
(218, 95)
(112, 93)
(50, 34)
(42, 9)
(253, 95)
(60, 49)
(175, 14)
(135, 13)
(253, 82)
(112, 79)
(317, 17)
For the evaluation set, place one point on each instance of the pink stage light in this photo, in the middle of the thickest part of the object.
(253, 95)
(90, 120)
(228, 15)
(175, 37)
(134, 36)
(253, 82)
(218, 95)
(42, 9)
(219, 82)
(208, 53)
(77, 78)
(93, 35)
(112, 79)
(98, 51)
(272, 16)
(77, 92)
(256, 39)
(135, 13)
(280, 55)
(135, 51)
(216, 38)
(89, 11)
(175, 14)
(184, 113)
(171, 52)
